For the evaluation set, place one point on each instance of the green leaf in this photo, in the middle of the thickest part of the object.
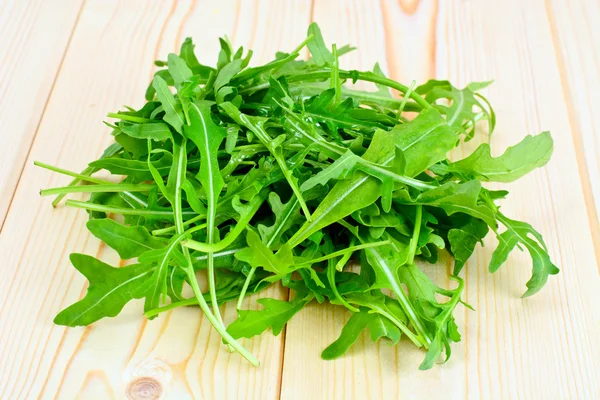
(207, 136)
(380, 304)
(350, 333)
(464, 104)
(324, 111)
(257, 254)
(227, 73)
(453, 198)
(275, 315)
(463, 240)
(381, 327)
(154, 130)
(318, 50)
(128, 241)
(531, 153)
(155, 288)
(286, 215)
(516, 233)
(109, 290)
(187, 54)
(179, 70)
(424, 141)
(173, 113)
(338, 170)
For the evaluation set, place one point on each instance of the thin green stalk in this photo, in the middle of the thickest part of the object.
(80, 177)
(304, 43)
(405, 99)
(217, 321)
(104, 188)
(416, 232)
(245, 288)
(168, 230)
(335, 76)
(212, 319)
(122, 211)
(130, 118)
(86, 172)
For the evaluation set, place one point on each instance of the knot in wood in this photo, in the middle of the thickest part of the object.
(144, 388)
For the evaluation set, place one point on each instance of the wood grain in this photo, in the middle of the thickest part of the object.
(97, 56)
(34, 35)
(576, 39)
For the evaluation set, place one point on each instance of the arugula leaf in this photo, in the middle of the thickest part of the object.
(154, 130)
(154, 289)
(531, 153)
(275, 315)
(179, 70)
(128, 241)
(453, 198)
(381, 327)
(257, 254)
(463, 240)
(318, 50)
(110, 289)
(516, 233)
(460, 114)
(350, 333)
(424, 141)
(286, 216)
(173, 112)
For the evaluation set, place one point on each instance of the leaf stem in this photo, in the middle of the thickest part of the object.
(405, 99)
(416, 232)
(245, 288)
(103, 188)
(80, 177)
(213, 320)
(335, 76)
(130, 118)
(121, 210)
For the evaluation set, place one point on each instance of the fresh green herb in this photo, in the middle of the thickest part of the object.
(283, 173)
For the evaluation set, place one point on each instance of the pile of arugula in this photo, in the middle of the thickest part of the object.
(280, 174)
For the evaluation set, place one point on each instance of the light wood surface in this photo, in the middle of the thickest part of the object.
(65, 63)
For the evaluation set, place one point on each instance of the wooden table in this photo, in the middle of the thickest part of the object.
(65, 63)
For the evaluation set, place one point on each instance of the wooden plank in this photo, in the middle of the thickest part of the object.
(109, 63)
(540, 347)
(576, 39)
(34, 36)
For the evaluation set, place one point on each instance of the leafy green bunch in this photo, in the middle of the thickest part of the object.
(278, 173)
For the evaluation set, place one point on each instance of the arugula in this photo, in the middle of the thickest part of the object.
(282, 173)
(110, 289)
